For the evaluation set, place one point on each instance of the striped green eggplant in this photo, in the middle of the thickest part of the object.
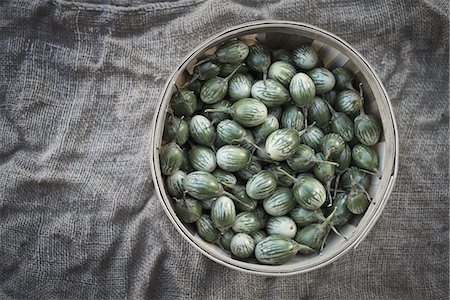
(367, 129)
(323, 80)
(344, 159)
(343, 78)
(262, 131)
(231, 52)
(230, 132)
(342, 215)
(319, 112)
(314, 235)
(202, 158)
(280, 202)
(225, 178)
(277, 249)
(261, 185)
(251, 169)
(282, 72)
(239, 87)
(309, 193)
(305, 57)
(281, 225)
(215, 89)
(176, 129)
(366, 158)
(202, 185)
(206, 70)
(303, 159)
(353, 176)
(302, 90)
(332, 145)
(304, 217)
(282, 143)
(201, 130)
(223, 213)
(188, 210)
(349, 102)
(246, 222)
(357, 201)
(242, 245)
(258, 59)
(292, 117)
(171, 158)
(270, 92)
(232, 158)
(206, 229)
(184, 103)
(225, 239)
(174, 183)
(341, 124)
(313, 137)
(258, 236)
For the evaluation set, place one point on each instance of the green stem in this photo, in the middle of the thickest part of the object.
(326, 162)
(287, 174)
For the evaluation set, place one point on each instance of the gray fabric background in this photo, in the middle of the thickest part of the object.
(79, 218)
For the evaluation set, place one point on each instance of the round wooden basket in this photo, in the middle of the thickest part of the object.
(333, 52)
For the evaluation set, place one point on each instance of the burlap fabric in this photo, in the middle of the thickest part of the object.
(79, 218)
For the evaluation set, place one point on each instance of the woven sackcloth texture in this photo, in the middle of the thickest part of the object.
(79, 84)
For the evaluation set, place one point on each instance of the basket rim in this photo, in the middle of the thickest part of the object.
(158, 181)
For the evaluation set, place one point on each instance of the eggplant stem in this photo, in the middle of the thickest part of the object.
(188, 83)
(287, 174)
(338, 233)
(265, 160)
(217, 110)
(231, 196)
(204, 60)
(330, 204)
(305, 114)
(377, 173)
(326, 162)
(232, 73)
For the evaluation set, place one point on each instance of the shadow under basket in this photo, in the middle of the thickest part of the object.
(333, 52)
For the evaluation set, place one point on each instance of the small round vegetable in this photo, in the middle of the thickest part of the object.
(225, 239)
(366, 158)
(332, 145)
(232, 158)
(258, 236)
(224, 177)
(280, 202)
(223, 213)
(263, 130)
(258, 58)
(367, 130)
(206, 229)
(343, 78)
(349, 102)
(309, 193)
(261, 185)
(251, 169)
(202, 158)
(357, 202)
(230, 132)
(231, 52)
(292, 117)
(323, 80)
(174, 183)
(282, 143)
(201, 130)
(281, 225)
(215, 89)
(282, 72)
(270, 92)
(277, 249)
(341, 124)
(353, 176)
(342, 215)
(176, 129)
(242, 245)
(318, 112)
(344, 159)
(303, 159)
(305, 57)
(314, 235)
(239, 87)
(188, 210)
(303, 217)
(171, 158)
(184, 103)
(313, 137)
(302, 90)
(246, 222)
(206, 70)
(202, 185)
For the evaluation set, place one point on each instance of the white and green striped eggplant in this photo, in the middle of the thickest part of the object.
(281, 225)
(258, 58)
(343, 78)
(230, 132)
(305, 57)
(367, 130)
(242, 201)
(313, 137)
(303, 217)
(202, 185)
(344, 159)
(319, 112)
(283, 180)
(251, 169)
(366, 158)
(214, 90)
(218, 116)
(277, 249)
(174, 183)
(231, 52)
(171, 158)
(184, 103)
(282, 72)
(314, 235)
(341, 124)
(206, 229)
(303, 159)
(258, 236)
(262, 131)
(188, 210)
(282, 143)
(332, 145)
(232, 158)
(323, 80)
(176, 129)
(283, 55)
(242, 245)
(357, 201)
(202, 158)
(349, 102)
(246, 222)
(309, 193)
(225, 239)
(201, 130)
(206, 70)
(261, 185)
(354, 176)
(239, 87)
(292, 117)
(270, 92)
(302, 90)
(223, 213)
(343, 214)
(280, 202)
(225, 178)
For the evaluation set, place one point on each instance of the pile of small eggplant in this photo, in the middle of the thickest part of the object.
(267, 151)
